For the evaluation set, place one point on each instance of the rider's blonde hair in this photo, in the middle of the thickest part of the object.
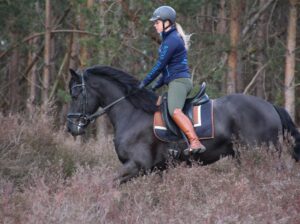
(186, 37)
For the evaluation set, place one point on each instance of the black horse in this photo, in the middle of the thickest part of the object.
(131, 112)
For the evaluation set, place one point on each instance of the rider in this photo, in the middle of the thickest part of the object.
(173, 64)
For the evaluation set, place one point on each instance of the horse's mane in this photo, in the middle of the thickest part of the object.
(142, 99)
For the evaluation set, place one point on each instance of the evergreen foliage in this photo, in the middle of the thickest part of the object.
(118, 33)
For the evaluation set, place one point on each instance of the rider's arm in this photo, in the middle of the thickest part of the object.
(159, 83)
(166, 51)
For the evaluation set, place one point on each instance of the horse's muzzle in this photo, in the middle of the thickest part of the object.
(75, 129)
(76, 125)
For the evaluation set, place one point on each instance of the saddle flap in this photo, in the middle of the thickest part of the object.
(170, 124)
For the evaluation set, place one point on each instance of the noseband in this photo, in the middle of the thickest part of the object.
(84, 118)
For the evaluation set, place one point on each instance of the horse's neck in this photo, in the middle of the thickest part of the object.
(123, 111)
(120, 114)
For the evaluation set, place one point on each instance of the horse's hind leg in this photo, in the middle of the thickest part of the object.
(129, 170)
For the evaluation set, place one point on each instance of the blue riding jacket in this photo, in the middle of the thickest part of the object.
(172, 61)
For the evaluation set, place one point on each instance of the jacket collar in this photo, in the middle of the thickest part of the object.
(165, 34)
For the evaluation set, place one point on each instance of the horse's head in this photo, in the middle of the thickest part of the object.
(104, 86)
(82, 105)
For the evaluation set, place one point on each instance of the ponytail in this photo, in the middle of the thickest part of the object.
(186, 37)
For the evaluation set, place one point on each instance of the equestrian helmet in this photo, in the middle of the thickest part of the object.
(164, 13)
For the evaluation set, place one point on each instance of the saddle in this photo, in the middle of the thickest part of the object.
(197, 105)
(200, 98)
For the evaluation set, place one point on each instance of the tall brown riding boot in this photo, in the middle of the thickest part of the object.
(184, 123)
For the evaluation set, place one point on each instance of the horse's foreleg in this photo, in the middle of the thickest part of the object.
(127, 171)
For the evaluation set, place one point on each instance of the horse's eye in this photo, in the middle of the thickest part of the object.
(75, 92)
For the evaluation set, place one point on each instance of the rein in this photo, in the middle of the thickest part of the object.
(103, 111)
(85, 119)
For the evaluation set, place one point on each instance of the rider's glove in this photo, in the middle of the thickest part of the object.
(153, 88)
(141, 85)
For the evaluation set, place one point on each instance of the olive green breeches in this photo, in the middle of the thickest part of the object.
(177, 93)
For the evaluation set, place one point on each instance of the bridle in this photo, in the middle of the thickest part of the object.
(84, 118)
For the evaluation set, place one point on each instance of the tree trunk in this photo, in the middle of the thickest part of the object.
(234, 40)
(289, 81)
(221, 30)
(74, 55)
(84, 52)
(261, 59)
(31, 101)
(202, 18)
(53, 60)
(209, 18)
(47, 57)
(13, 92)
(221, 26)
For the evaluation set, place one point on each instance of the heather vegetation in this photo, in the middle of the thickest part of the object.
(47, 177)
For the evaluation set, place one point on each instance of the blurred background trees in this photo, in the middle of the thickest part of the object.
(237, 46)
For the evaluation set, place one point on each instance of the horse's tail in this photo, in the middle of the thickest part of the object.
(289, 126)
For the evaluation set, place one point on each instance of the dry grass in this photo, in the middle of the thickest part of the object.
(46, 177)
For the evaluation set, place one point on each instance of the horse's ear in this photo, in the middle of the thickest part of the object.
(74, 74)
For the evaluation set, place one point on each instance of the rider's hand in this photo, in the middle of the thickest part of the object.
(141, 85)
(153, 88)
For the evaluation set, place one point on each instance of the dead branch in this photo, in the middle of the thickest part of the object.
(255, 18)
(254, 78)
(60, 71)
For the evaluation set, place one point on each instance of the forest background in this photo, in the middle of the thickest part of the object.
(46, 177)
(236, 46)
